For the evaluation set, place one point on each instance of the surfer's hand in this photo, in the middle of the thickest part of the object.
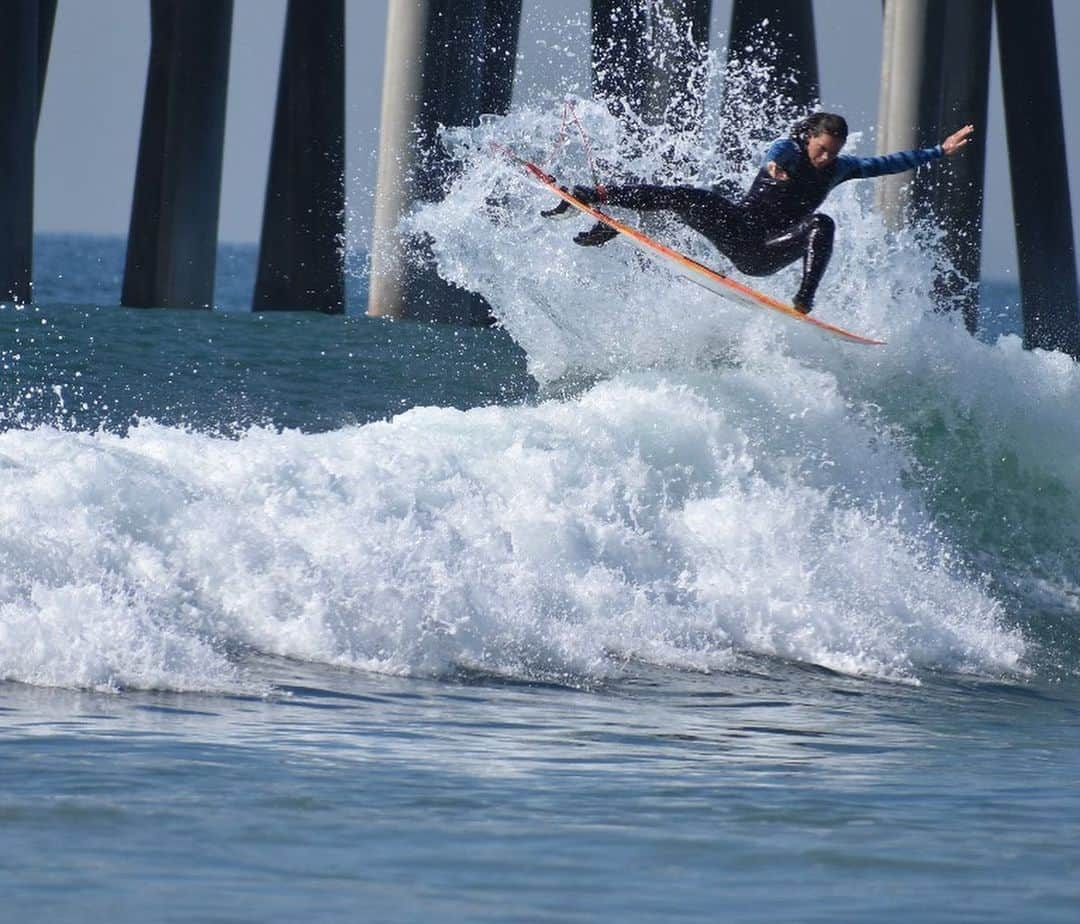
(776, 171)
(957, 140)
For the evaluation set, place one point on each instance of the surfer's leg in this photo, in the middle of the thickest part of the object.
(819, 234)
(647, 198)
(595, 236)
(643, 198)
(703, 210)
(811, 239)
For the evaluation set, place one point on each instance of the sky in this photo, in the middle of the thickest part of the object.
(92, 109)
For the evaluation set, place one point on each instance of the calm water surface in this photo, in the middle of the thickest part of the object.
(775, 791)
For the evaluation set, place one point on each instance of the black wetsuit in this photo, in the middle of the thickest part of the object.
(776, 221)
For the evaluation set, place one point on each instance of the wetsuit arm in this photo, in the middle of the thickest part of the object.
(864, 168)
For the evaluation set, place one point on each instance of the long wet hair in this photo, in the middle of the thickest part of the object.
(819, 123)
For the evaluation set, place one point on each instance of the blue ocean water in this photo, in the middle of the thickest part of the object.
(337, 617)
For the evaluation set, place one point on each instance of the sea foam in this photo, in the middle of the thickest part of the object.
(697, 481)
(670, 522)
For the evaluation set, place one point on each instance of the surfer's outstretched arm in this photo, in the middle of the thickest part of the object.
(849, 167)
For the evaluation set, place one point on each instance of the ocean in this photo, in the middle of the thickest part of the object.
(637, 606)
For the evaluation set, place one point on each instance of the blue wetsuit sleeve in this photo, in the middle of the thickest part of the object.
(849, 167)
(785, 153)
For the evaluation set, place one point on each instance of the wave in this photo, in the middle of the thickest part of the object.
(644, 520)
(697, 480)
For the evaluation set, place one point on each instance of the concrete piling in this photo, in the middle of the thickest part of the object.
(502, 23)
(956, 187)
(46, 21)
(788, 27)
(909, 104)
(779, 34)
(19, 105)
(172, 243)
(301, 253)
(1038, 168)
(447, 63)
(934, 79)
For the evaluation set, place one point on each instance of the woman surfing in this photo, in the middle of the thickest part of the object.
(776, 222)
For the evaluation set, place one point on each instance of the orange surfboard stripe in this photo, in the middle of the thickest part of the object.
(730, 285)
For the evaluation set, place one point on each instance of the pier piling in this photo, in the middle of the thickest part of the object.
(909, 106)
(19, 105)
(788, 28)
(644, 57)
(934, 79)
(46, 21)
(1040, 187)
(447, 63)
(172, 242)
(957, 185)
(780, 34)
(301, 252)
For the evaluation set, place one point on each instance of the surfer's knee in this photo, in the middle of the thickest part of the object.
(586, 194)
(822, 226)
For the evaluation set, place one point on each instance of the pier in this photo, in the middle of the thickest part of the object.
(450, 62)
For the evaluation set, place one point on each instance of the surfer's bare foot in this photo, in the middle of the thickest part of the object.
(803, 303)
(562, 210)
(597, 235)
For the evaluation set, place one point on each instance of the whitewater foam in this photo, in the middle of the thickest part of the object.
(980, 434)
(700, 481)
(643, 520)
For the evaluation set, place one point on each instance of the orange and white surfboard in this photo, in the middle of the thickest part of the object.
(691, 269)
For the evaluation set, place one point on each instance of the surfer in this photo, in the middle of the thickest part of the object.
(776, 222)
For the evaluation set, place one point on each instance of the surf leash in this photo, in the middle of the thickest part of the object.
(569, 112)
(570, 117)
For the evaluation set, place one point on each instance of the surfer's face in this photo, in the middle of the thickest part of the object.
(822, 149)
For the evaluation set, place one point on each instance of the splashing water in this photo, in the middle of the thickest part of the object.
(699, 480)
(974, 437)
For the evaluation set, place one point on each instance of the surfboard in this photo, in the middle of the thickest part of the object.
(698, 273)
